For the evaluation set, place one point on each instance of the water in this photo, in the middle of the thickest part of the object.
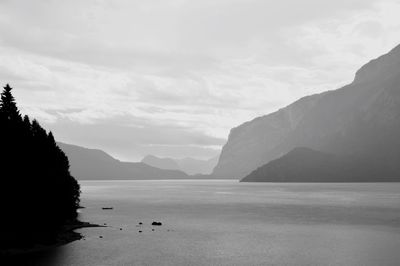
(231, 223)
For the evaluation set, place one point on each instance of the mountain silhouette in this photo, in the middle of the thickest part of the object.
(360, 120)
(93, 164)
(188, 165)
(306, 165)
(162, 163)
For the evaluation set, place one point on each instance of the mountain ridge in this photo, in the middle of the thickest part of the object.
(359, 118)
(188, 165)
(95, 164)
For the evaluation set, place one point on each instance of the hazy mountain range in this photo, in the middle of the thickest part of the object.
(349, 134)
(93, 164)
(359, 122)
(190, 166)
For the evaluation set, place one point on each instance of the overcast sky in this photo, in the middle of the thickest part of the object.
(171, 78)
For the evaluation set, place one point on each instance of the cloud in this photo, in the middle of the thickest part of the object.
(372, 29)
(131, 33)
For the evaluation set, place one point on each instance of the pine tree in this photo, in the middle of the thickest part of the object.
(8, 107)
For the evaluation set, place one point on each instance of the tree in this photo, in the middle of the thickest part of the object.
(37, 189)
(8, 107)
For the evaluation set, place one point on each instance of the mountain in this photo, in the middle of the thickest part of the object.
(92, 164)
(190, 166)
(252, 144)
(162, 163)
(307, 165)
(195, 166)
(360, 120)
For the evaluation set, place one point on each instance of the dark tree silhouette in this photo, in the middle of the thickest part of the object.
(37, 192)
(8, 107)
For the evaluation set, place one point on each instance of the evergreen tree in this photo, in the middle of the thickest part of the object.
(39, 193)
(8, 107)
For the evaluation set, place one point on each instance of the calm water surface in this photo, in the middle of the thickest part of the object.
(231, 223)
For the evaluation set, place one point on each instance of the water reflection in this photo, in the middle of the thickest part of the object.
(47, 257)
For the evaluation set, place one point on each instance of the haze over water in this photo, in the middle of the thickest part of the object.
(230, 223)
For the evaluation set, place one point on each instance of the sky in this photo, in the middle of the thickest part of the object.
(172, 77)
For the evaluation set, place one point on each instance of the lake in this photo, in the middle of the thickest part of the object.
(223, 222)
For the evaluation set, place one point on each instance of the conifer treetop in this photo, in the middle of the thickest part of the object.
(8, 106)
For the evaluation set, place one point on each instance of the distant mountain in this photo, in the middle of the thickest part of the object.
(190, 166)
(162, 163)
(359, 120)
(92, 164)
(306, 165)
(195, 166)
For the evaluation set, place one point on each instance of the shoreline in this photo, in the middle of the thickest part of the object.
(67, 235)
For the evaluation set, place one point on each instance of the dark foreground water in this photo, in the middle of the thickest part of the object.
(231, 223)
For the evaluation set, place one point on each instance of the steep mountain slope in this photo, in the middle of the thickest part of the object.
(92, 164)
(361, 119)
(249, 143)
